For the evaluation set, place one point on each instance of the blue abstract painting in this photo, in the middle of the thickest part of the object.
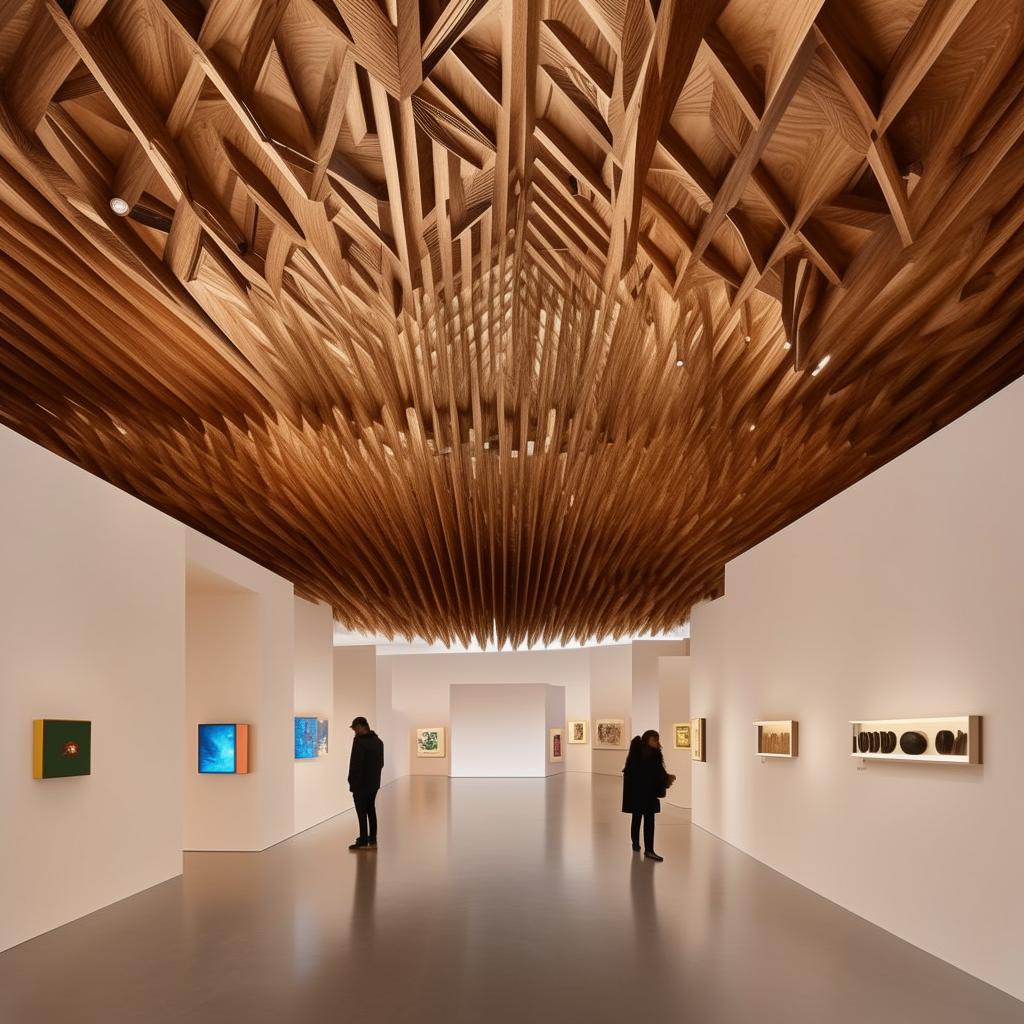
(217, 749)
(305, 738)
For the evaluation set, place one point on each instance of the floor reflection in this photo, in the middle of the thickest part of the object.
(364, 897)
(495, 899)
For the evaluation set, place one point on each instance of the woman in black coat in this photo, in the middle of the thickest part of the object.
(644, 782)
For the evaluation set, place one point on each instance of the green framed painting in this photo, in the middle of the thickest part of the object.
(61, 749)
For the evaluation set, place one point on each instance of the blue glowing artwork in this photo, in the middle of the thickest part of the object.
(305, 738)
(217, 749)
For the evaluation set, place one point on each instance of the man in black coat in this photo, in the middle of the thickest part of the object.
(364, 768)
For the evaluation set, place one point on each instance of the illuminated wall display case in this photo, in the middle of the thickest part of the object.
(955, 739)
(776, 738)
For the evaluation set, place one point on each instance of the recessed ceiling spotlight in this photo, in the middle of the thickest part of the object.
(119, 206)
(787, 345)
(680, 362)
(746, 339)
(753, 426)
(821, 366)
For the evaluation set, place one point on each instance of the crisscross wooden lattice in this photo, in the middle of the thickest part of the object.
(504, 320)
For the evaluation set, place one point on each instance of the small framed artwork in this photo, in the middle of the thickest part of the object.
(556, 748)
(61, 749)
(697, 731)
(681, 735)
(578, 731)
(321, 737)
(430, 742)
(223, 748)
(610, 734)
(777, 738)
(305, 737)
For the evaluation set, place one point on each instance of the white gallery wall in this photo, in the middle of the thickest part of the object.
(901, 597)
(611, 696)
(319, 794)
(396, 743)
(420, 685)
(500, 730)
(91, 623)
(647, 679)
(240, 647)
(673, 707)
(554, 707)
(355, 695)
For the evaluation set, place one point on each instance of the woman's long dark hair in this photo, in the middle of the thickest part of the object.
(636, 750)
(649, 752)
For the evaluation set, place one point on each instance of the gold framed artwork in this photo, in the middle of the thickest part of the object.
(430, 742)
(578, 731)
(697, 737)
(681, 735)
(556, 745)
(610, 734)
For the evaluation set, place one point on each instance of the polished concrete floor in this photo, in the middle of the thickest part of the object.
(489, 900)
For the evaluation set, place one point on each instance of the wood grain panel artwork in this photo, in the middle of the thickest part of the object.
(504, 320)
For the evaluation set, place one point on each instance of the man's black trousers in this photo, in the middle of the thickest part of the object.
(366, 811)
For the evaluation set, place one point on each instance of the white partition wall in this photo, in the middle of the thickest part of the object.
(91, 626)
(646, 679)
(555, 719)
(902, 597)
(240, 668)
(419, 686)
(355, 695)
(318, 791)
(674, 707)
(501, 730)
(611, 696)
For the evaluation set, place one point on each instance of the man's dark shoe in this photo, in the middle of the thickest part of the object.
(636, 846)
(651, 855)
(359, 844)
(371, 844)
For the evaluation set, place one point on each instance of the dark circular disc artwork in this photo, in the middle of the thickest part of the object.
(913, 743)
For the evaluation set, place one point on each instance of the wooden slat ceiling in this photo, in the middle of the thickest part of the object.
(504, 319)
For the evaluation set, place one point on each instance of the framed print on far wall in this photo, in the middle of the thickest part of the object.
(430, 742)
(697, 731)
(556, 748)
(681, 735)
(610, 734)
(578, 731)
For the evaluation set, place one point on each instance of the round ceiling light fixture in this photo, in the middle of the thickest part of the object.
(119, 206)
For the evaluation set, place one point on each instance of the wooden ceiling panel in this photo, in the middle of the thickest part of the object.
(501, 320)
